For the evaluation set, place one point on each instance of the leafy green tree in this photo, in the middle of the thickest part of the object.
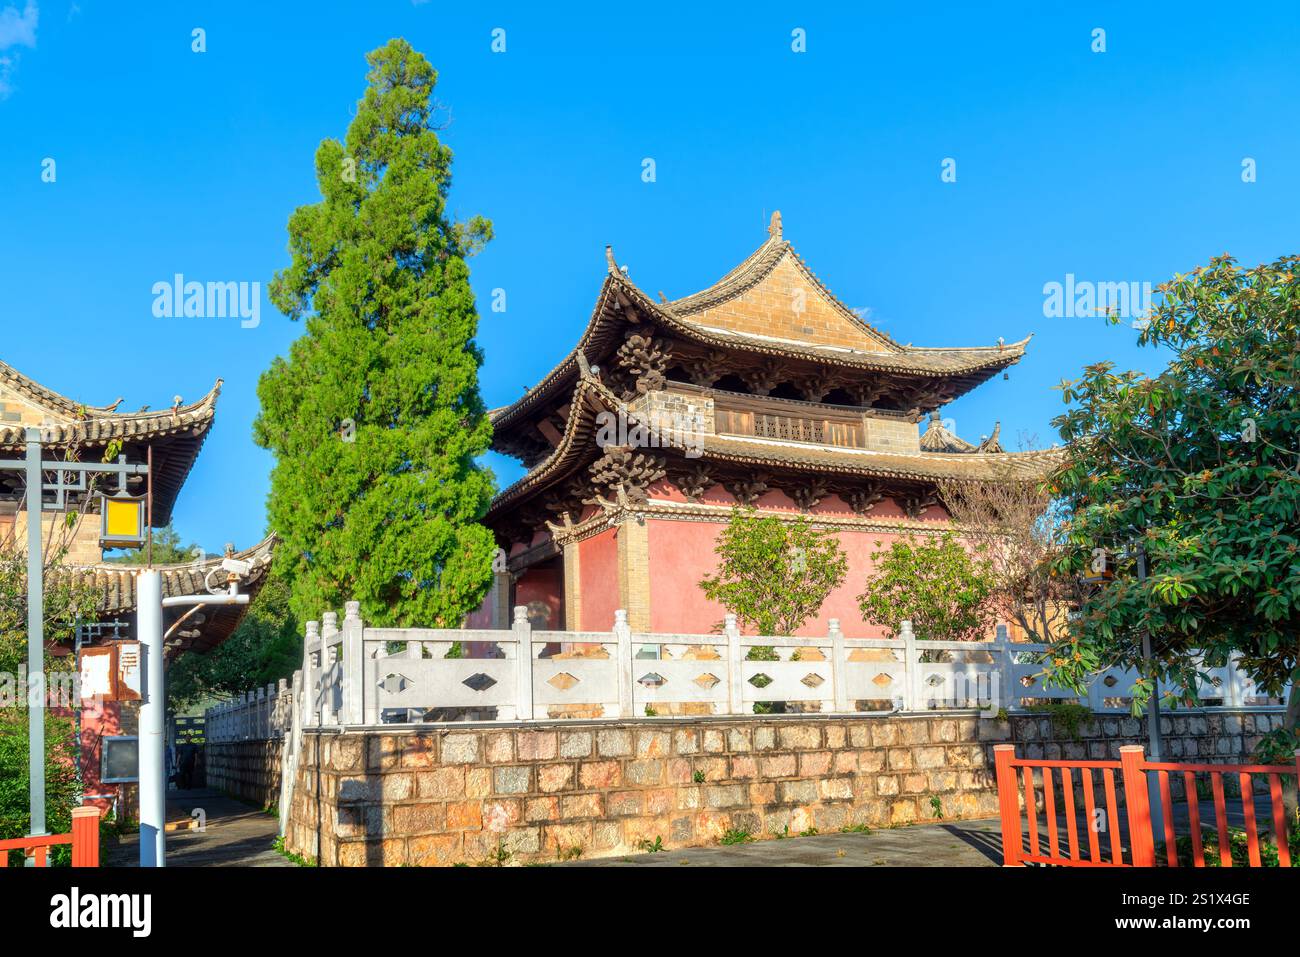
(774, 575)
(61, 784)
(375, 417)
(266, 647)
(936, 584)
(1200, 465)
(168, 549)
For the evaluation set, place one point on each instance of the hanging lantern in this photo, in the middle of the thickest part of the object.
(122, 521)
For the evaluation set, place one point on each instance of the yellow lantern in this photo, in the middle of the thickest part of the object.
(123, 518)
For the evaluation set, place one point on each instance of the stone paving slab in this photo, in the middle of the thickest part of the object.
(956, 844)
(235, 835)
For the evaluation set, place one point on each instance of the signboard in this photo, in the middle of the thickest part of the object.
(98, 667)
(121, 760)
(112, 672)
(130, 674)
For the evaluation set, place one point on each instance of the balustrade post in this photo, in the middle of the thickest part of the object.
(523, 630)
(735, 670)
(354, 687)
(1006, 673)
(1234, 692)
(329, 629)
(311, 675)
(911, 668)
(623, 655)
(839, 667)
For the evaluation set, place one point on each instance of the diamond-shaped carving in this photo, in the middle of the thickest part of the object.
(882, 680)
(706, 681)
(652, 680)
(1110, 681)
(479, 682)
(760, 680)
(934, 681)
(563, 681)
(812, 680)
(394, 683)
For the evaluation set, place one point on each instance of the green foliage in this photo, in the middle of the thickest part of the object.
(697, 777)
(1238, 848)
(774, 575)
(1068, 717)
(935, 584)
(375, 417)
(1278, 747)
(61, 786)
(266, 647)
(68, 598)
(279, 846)
(649, 846)
(736, 835)
(167, 550)
(1202, 465)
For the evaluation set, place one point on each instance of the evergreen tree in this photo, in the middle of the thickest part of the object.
(375, 417)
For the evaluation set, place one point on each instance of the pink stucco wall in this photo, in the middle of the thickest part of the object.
(681, 553)
(598, 581)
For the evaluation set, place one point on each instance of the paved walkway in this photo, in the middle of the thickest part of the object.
(234, 835)
(956, 844)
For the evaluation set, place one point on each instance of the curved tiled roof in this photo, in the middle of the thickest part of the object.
(591, 395)
(683, 317)
(176, 433)
(115, 587)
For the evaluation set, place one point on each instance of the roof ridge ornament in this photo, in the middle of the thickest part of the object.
(774, 227)
(609, 260)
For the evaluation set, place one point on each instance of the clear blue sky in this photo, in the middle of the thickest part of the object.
(1115, 166)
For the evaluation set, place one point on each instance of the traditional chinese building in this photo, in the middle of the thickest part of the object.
(762, 390)
(73, 431)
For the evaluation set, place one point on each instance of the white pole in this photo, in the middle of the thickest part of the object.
(153, 770)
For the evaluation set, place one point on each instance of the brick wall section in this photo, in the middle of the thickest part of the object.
(786, 305)
(451, 795)
(249, 770)
(891, 435)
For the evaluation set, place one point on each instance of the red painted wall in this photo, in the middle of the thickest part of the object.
(681, 553)
(541, 590)
(598, 581)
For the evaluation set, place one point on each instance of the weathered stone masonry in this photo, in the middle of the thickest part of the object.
(457, 794)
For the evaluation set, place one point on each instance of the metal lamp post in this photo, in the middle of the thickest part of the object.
(34, 469)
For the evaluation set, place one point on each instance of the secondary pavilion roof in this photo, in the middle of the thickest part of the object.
(115, 588)
(748, 312)
(577, 447)
(176, 434)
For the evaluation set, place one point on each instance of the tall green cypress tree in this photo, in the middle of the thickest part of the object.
(375, 418)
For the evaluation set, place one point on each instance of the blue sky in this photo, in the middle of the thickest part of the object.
(1117, 166)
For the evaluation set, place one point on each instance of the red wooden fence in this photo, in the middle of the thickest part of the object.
(1130, 773)
(84, 839)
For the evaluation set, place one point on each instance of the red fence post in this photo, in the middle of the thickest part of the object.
(1008, 803)
(85, 836)
(1142, 846)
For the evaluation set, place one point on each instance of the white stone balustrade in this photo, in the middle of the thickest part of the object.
(356, 676)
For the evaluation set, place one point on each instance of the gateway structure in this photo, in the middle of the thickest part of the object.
(763, 390)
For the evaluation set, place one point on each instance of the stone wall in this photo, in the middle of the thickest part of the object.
(249, 770)
(463, 794)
